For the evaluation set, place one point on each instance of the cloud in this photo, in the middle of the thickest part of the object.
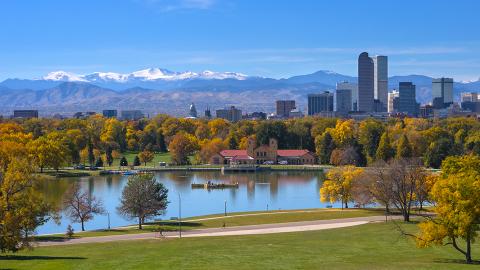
(174, 5)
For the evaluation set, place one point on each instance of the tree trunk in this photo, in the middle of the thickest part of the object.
(346, 205)
(406, 216)
(139, 223)
(83, 227)
(41, 169)
(468, 253)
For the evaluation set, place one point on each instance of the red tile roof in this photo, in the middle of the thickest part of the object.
(292, 153)
(233, 153)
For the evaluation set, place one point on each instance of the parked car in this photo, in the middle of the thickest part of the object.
(268, 162)
(283, 162)
(79, 167)
(162, 164)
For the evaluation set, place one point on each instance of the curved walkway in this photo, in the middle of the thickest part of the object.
(229, 231)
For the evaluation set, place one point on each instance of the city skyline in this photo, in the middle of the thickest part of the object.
(123, 36)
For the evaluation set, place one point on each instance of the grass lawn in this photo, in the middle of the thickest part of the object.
(233, 220)
(371, 246)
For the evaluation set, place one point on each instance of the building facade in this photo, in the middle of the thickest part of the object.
(407, 102)
(344, 100)
(231, 114)
(132, 115)
(366, 83)
(284, 107)
(353, 87)
(25, 114)
(320, 103)
(380, 81)
(393, 101)
(261, 154)
(192, 111)
(109, 113)
(442, 92)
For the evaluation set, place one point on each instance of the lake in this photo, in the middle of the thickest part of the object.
(256, 192)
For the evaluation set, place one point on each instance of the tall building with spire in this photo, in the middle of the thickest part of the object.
(193, 111)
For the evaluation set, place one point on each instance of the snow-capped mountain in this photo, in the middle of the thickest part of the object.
(151, 74)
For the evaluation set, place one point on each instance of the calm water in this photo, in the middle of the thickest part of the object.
(275, 190)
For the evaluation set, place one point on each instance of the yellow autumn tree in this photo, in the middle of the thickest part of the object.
(456, 194)
(338, 185)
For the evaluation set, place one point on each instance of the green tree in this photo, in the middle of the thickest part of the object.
(324, 146)
(123, 162)
(369, 134)
(385, 150)
(143, 197)
(404, 149)
(437, 151)
(99, 162)
(136, 161)
(457, 206)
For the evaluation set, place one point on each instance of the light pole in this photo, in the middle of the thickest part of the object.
(225, 207)
(180, 215)
(108, 215)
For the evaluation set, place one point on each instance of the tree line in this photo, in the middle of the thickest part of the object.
(98, 140)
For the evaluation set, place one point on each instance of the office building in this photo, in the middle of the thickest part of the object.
(131, 115)
(380, 81)
(192, 111)
(469, 97)
(344, 100)
(25, 114)
(393, 101)
(365, 83)
(353, 87)
(470, 102)
(442, 92)
(320, 103)
(284, 107)
(208, 113)
(109, 113)
(407, 103)
(231, 114)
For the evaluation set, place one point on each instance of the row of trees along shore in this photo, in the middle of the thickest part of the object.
(403, 184)
(394, 154)
(55, 143)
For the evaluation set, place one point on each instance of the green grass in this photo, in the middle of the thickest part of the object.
(261, 218)
(370, 246)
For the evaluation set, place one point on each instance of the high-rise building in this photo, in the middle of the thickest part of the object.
(442, 92)
(25, 114)
(344, 100)
(393, 101)
(320, 103)
(469, 97)
(284, 107)
(109, 113)
(231, 114)
(365, 83)
(131, 115)
(406, 100)
(353, 87)
(380, 81)
(192, 111)
(208, 113)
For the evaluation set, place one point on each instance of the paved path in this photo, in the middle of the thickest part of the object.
(228, 231)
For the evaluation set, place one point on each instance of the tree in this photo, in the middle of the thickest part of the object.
(338, 184)
(22, 208)
(181, 146)
(99, 162)
(211, 148)
(146, 156)
(385, 150)
(91, 155)
(143, 197)
(108, 156)
(457, 206)
(404, 149)
(437, 151)
(48, 151)
(123, 162)
(324, 146)
(136, 161)
(369, 134)
(80, 206)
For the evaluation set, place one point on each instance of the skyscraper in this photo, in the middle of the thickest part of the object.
(392, 101)
(320, 103)
(231, 114)
(192, 111)
(365, 82)
(380, 80)
(407, 103)
(353, 87)
(344, 100)
(284, 107)
(442, 92)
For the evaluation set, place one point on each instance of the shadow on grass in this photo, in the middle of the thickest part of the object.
(28, 258)
(456, 261)
(175, 223)
(50, 238)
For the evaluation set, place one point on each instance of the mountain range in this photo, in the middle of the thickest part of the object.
(158, 90)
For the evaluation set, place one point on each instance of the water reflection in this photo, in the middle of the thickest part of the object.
(278, 190)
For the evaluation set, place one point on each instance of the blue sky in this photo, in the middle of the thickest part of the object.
(269, 38)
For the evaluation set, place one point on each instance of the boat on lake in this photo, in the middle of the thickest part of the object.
(211, 185)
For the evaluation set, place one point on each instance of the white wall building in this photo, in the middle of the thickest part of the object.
(380, 79)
